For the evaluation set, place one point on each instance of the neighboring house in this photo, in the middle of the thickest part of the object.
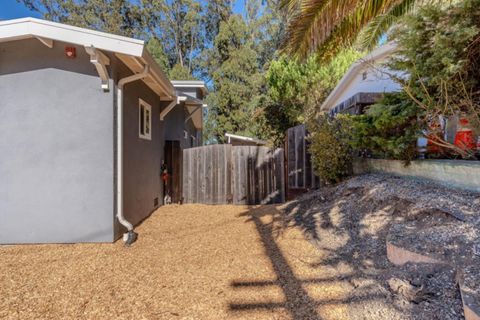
(81, 135)
(363, 84)
(183, 130)
(237, 140)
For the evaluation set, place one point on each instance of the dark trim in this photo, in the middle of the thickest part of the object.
(355, 104)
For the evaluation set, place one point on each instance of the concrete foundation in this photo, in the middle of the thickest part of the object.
(459, 174)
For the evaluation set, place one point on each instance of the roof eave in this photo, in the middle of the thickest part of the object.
(375, 55)
(191, 83)
(131, 51)
(159, 75)
(31, 27)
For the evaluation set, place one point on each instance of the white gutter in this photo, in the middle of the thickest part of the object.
(131, 236)
(190, 84)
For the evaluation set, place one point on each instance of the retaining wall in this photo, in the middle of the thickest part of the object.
(459, 174)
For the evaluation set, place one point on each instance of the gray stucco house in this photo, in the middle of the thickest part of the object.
(183, 130)
(84, 117)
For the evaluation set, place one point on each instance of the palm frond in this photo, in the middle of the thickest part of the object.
(378, 26)
(289, 6)
(313, 22)
(325, 26)
(346, 31)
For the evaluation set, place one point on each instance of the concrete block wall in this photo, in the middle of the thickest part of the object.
(459, 174)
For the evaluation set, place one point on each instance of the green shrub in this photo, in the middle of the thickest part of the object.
(388, 130)
(439, 48)
(330, 147)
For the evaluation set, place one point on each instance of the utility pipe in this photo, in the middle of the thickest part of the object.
(130, 236)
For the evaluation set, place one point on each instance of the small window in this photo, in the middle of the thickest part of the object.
(185, 134)
(364, 75)
(144, 120)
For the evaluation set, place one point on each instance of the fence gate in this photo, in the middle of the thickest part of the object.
(221, 174)
(300, 175)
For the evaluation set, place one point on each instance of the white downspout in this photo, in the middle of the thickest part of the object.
(131, 236)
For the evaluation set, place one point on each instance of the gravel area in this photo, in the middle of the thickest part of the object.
(349, 224)
(438, 236)
(424, 195)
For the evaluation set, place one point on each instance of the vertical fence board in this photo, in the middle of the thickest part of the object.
(221, 171)
(229, 178)
(220, 174)
(298, 161)
(299, 153)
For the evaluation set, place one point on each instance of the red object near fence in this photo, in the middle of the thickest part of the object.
(464, 138)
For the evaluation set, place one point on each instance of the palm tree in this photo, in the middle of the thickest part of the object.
(326, 26)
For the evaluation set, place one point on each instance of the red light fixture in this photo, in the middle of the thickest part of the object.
(70, 52)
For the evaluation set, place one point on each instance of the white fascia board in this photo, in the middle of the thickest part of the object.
(32, 27)
(25, 28)
(243, 138)
(377, 54)
(190, 84)
(159, 75)
(344, 82)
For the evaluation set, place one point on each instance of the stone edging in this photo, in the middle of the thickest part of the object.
(399, 256)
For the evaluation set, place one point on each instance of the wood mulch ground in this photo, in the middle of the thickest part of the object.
(190, 262)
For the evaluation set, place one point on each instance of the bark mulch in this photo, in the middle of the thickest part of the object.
(322, 256)
(190, 262)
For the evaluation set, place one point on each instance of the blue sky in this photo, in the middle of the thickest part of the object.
(11, 9)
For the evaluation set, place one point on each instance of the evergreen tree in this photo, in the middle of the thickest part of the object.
(120, 17)
(216, 11)
(236, 82)
(178, 26)
(297, 89)
(154, 46)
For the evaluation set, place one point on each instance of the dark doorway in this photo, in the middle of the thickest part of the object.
(173, 161)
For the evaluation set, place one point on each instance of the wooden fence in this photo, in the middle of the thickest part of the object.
(221, 174)
(300, 175)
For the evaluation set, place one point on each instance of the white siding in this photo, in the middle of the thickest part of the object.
(377, 81)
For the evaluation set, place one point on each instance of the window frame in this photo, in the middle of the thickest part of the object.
(146, 120)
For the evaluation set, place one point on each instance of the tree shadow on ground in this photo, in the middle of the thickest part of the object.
(312, 220)
(298, 302)
(349, 227)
